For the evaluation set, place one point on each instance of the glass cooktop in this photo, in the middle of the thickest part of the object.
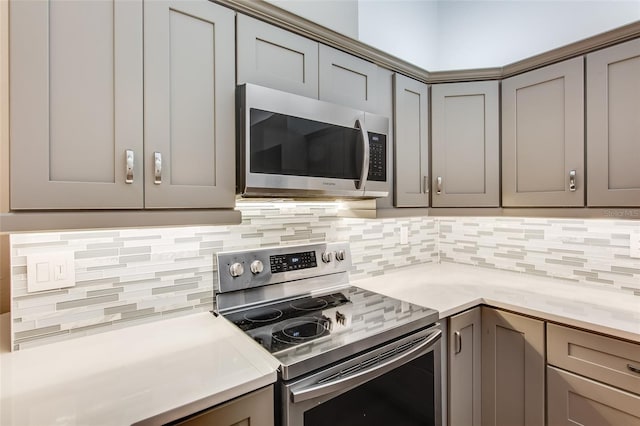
(310, 332)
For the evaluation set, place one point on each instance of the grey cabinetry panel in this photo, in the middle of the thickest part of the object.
(613, 126)
(272, 57)
(189, 95)
(575, 400)
(465, 144)
(543, 137)
(465, 391)
(411, 115)
(76, 104)
(347, 80)
(253, 409)
(513, 369)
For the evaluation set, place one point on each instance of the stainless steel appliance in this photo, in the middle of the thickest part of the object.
(347, 356)
(293, 146)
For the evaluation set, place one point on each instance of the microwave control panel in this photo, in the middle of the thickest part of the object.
(377, 157)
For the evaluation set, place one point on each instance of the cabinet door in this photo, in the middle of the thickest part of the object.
(272, 57)
(465, 158)
(513, 369)
(613, 127)
(465, 390)
(410, 118)
(543, 137)
(575, 400)
(76, 104)
(347, 80)
(254, 409)
(189, 96)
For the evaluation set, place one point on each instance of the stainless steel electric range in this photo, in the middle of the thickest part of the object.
(347, 356)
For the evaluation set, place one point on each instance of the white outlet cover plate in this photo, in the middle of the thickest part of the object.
(50, 271)
(634, 244)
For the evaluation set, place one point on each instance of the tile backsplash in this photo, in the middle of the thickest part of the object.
(131, 276)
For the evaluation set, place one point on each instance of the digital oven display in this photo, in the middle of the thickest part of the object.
(292, 261)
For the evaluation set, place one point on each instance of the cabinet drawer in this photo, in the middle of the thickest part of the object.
(606, 359)
(576, 400)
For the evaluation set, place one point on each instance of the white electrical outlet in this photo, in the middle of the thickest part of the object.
(50, 271)
(634, 244)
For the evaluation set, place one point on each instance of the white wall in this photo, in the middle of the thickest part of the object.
(407, 29)
(338, 15)
(476, 34)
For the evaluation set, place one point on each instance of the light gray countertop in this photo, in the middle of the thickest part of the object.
(165, 370)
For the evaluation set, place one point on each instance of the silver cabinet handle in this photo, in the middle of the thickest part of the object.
(365, 158)
(439, 185)
(633, 368)
(572, 180)
(129, 166)
(425, 184)
(157, 173)
(457, 342)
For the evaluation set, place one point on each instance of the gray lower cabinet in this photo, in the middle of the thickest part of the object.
(79, 110)
(543, 137)
(189, 98)
(347, 80)
(464, 358)
(576, 400)
(254, 409)
(513, 369)
(411, 150)
(465, 159)
(76, 104)
(272, 57)
(592, 379)
(613, 127)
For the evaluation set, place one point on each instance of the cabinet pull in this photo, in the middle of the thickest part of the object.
(457, 342)
(633, 368)
(157, 173)
(439, 185)
(425, 184)
(572, 180)
(129, 166)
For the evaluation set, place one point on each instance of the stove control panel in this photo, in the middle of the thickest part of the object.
(275, 265)
(293, 261)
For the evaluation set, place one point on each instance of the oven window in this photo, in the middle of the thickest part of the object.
(285, 145)
(402, 397)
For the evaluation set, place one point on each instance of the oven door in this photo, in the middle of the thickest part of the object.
(398, 383)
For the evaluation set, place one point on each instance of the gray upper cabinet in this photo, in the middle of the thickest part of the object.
(76, 104)
(464, 356)
(513, 369)
(613, 126)
(465, 144)
(411, 115)
(77, 115)
(347, 80)
(189, 95)
(543, 137)
(276, 58)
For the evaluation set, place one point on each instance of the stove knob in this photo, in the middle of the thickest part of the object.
(340, 255)
(236, 269)
(327, 256)
(256, 267)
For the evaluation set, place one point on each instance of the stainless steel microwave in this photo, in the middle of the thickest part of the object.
(296, 147)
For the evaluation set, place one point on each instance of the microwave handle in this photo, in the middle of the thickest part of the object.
(365, 158)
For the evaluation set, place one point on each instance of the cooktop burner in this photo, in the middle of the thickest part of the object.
(261, 316)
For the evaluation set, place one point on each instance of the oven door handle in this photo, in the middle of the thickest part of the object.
(365, 375)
